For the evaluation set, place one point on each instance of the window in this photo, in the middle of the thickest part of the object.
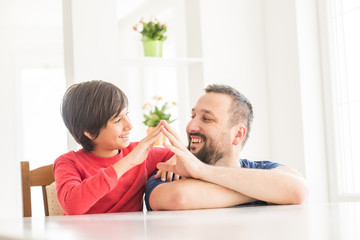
(343, 98)
(43, 134)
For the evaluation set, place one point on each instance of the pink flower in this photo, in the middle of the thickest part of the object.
(138, 27)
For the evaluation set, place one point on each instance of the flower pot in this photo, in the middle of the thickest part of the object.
(153, 48)
(160, 141)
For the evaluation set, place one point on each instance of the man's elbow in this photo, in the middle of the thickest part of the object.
(299, 194)
(175, 200)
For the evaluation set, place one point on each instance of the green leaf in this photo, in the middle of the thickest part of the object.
(164, 107)
(170, 121)
(153, 31)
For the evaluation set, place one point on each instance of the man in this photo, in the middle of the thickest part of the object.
(212, 174)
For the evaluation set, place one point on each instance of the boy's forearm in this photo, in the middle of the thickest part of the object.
(122, 166)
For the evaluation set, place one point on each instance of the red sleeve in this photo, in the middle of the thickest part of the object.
(156, 155)
(77, 196)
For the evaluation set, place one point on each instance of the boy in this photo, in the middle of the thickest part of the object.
(108, 174)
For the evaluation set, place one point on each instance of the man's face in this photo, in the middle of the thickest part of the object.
(209, 131)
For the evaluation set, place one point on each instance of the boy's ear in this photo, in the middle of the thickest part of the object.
(88, 135)
(239, 134)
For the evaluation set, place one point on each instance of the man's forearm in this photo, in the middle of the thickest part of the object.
(194, 194)
(278, 185)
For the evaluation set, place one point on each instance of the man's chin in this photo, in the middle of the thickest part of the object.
(194, 150)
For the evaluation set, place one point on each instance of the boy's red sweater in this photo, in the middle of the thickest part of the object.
(86, 183)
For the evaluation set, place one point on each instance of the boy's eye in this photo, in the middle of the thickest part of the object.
(121, 117)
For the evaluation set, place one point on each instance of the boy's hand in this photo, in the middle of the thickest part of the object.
(141, 151)
(138, 154)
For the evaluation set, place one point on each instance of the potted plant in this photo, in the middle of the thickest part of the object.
(154, 113)
(152, 32)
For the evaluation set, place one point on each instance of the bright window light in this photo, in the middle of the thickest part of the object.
(345, 86)
(44, 136)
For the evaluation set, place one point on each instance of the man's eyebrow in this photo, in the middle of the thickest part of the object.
(204, 111)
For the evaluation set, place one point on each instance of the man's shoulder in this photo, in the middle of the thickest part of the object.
(258, 164)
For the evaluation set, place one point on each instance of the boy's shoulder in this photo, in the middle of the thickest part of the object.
(71, 156)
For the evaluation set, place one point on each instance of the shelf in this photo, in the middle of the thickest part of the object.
(159, 61)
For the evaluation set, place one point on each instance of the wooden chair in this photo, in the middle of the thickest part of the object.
(41, 176)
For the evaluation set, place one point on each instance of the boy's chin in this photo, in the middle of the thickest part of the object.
(125, 144)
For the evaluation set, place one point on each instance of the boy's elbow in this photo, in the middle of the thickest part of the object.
(69, 210)
(72, 207)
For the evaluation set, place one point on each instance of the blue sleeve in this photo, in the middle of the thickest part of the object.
(151, 184)
(259, 164)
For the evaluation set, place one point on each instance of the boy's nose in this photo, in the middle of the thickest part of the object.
(128, 125)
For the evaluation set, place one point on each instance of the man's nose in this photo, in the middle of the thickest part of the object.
(193, 125)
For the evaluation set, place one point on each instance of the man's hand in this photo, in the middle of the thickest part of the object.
(187, 165)
(168, 176)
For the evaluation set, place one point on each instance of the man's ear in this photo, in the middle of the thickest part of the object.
(88, 135)
(240, 133)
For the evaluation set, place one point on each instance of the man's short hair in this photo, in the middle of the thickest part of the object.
(240, 111)
(87, 107)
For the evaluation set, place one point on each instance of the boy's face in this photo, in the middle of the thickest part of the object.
(114, 136)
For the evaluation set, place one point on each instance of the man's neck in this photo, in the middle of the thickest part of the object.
(228, 161)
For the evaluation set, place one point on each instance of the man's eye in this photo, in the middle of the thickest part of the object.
(206, 119)
(192, 116)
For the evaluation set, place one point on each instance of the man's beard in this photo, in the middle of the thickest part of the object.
(209, 153)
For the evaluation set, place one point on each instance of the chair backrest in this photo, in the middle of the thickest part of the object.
(41, 176)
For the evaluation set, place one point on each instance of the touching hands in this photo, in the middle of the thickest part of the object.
(141, 151)
(186, 165)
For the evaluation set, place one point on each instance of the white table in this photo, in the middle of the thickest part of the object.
(323, 221)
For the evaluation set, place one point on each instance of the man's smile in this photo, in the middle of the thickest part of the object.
(197, 140)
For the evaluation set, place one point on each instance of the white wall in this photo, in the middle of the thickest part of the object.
(269, 50)
(90, 43)
(234, 54)
(29, 34)
(297, 134)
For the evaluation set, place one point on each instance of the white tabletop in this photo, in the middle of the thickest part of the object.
(319, 221)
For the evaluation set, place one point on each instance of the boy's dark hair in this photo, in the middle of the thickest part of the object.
(240, 111)
(87, 107)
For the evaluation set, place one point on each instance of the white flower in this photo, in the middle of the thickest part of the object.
(139, 27)
(154, 20)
